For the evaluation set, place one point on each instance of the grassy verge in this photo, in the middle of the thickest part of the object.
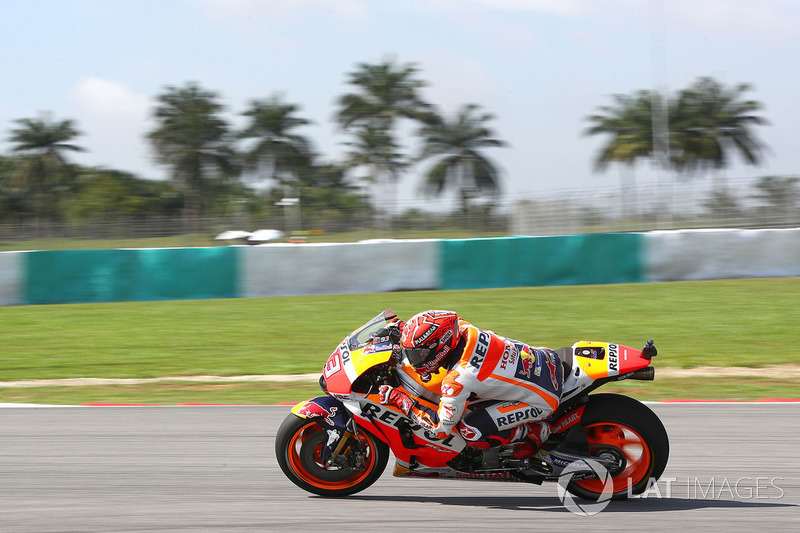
(166, 394)
(746, 323)
(272, 393)
(718, 323)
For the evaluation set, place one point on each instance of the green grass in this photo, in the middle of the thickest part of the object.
(270, 393)
(729, 322)
(165, 394)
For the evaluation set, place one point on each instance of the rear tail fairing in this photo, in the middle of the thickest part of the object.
(589, 365)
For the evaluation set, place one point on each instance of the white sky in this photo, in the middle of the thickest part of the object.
(540, 66)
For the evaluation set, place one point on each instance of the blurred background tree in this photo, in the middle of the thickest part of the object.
(456, 147)
(705, 125)
(277, 152)
(194, 141)
(709, 123)
(43, 175)
(384, 93)
(628, 127)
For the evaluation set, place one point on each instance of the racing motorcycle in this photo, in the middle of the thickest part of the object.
(338, 444)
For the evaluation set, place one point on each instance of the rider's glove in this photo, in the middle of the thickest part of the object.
(393, 330)
(391, 396)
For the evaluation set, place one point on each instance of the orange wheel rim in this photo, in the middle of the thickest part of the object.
(296, 445)
(623, 439)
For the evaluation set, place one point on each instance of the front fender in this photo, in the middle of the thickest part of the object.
(326, 410)
(329, 413)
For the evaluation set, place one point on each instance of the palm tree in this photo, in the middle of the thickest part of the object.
(710, 121)
(193, 140)
(456, 147)
(375, 150)
(43, 175)
(278, 150)
(628, 123)
(385, 93)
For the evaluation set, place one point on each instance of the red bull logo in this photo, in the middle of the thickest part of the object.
(527, 361)
(313, 410)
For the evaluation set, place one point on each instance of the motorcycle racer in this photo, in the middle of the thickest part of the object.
(496, 391)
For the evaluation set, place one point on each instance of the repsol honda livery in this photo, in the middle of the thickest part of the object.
(338, 444)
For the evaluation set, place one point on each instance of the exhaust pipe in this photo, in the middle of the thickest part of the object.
(644, 374)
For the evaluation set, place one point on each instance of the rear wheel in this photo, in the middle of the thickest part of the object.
(622, 429)
(298, 447)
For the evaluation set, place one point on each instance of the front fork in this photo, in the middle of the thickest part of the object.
(348, 450)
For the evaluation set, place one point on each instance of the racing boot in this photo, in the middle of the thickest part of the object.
(535, 433)
(538, 432)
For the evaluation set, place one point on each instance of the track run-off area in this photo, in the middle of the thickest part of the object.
(733, 466)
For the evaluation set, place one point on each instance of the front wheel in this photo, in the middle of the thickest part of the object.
(298, 447)
(622, 428)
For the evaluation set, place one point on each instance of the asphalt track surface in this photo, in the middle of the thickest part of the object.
(735, 467)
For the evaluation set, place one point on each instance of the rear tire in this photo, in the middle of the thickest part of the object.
(626, 428)
(298, 445)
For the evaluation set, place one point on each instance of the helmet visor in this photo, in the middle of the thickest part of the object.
(417, 356)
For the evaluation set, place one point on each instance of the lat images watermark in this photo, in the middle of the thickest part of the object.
(581, 468)
(714, 488)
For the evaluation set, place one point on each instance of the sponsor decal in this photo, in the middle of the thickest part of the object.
(345, 354)
(314, 410)
(447, 413)
(527, 361)
(375, 348)
(446, 337)
(333, 437)
(559, 461)
(513, 419)
(419, 341)
(481, 348)
(468, 432)
(550, 359)
(493, 475)
(613, 358)
(509, 356)
(567, 421)
(395, 420)
(339, 396)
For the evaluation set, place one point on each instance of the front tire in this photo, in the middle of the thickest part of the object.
(625, 428)
(298, 445)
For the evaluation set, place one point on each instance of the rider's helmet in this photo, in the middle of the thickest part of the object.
(428, 338)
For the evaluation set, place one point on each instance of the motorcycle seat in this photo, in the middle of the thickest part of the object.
(567, 356)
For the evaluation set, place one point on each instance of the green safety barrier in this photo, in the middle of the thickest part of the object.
(75, 276)
(540, 261)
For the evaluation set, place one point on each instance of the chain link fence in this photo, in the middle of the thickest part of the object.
(575, 211)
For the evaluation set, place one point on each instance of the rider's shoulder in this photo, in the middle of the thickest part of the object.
(468, 328)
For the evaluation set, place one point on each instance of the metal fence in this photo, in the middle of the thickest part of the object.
(576, 211)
